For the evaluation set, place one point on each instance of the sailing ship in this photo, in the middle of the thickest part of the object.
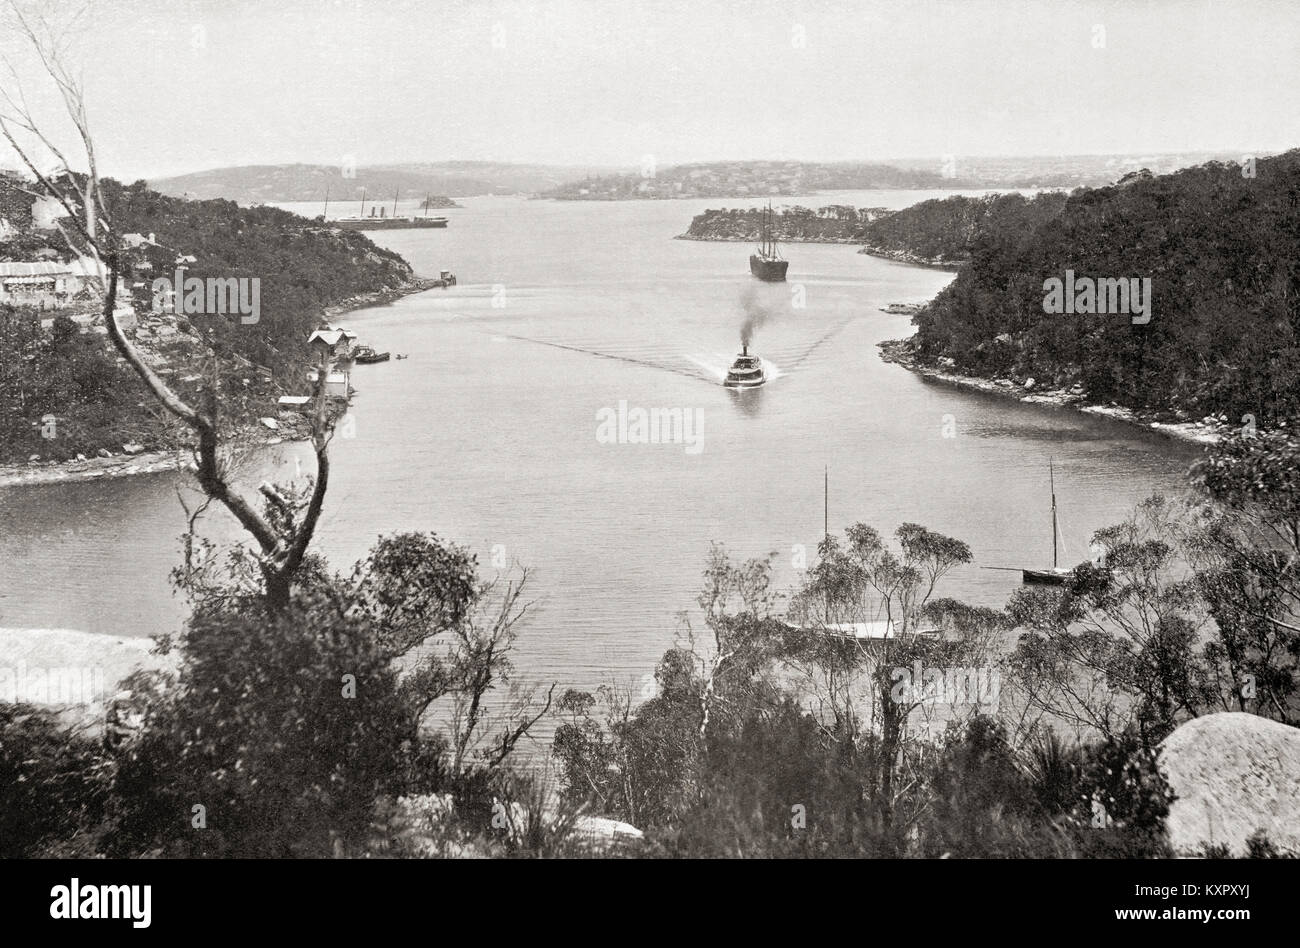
(767, 264)
(746, 371)
(1057, 575)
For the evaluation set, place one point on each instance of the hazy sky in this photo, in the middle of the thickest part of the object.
(181, 86)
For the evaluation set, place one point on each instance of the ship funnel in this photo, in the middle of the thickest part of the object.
(744, 348)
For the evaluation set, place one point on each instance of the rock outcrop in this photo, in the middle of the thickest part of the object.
(75, 674)
(1234, 775)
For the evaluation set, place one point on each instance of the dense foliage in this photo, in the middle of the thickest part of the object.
(777, 739)
(313, 730)
(945, 230)
(835, 223)
(303, 267)
(97, 403)
(1220, 244)
(54, 785)
(62, 392)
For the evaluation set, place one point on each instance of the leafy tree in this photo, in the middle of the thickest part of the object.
(292, 726)
(1246, 547)
(1119, 646)
(685, 756)
(284, 728)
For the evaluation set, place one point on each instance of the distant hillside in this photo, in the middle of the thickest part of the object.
(739, 179)
(1058, 171)
(465, 178)
(251, 184)
(1221, 249)
(255, 184)
(834, 224)
(942, 232)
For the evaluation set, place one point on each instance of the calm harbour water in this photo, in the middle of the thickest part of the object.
(486, 434)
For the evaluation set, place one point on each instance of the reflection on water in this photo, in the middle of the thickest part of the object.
(747, 401)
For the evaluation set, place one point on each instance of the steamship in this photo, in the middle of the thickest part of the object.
(767, 264)
(382, 220)
(746, 371)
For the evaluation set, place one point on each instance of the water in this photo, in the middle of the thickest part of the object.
(486, 434)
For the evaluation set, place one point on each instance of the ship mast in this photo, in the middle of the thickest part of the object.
(826, 521)
(1051, 474)
(395, 193)
(771, 239)
(325, 214)
(363, 202)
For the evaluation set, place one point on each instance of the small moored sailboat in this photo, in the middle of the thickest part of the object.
(1057, 575)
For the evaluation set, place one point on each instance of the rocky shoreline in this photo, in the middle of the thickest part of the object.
(1205, 431)
(903, 309)
(379, 297)
(916, 260)
(123, 465)
(135, 460)
(743, 239)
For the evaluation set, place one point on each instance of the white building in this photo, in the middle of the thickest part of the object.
(50, 284)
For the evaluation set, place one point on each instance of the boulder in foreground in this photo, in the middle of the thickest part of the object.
(1235, 775)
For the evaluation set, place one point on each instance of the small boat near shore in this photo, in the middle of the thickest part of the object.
(746, 371)
(1057, 575)
(366, 355)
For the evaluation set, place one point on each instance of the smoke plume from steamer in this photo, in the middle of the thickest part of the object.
(756, 314)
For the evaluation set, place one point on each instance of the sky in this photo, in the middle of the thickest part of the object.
(174, 86)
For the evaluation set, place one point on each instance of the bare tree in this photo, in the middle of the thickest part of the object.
(281, 530)
(468, 661)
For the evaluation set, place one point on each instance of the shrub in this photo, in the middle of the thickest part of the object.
(53, 785)
(285, 729)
